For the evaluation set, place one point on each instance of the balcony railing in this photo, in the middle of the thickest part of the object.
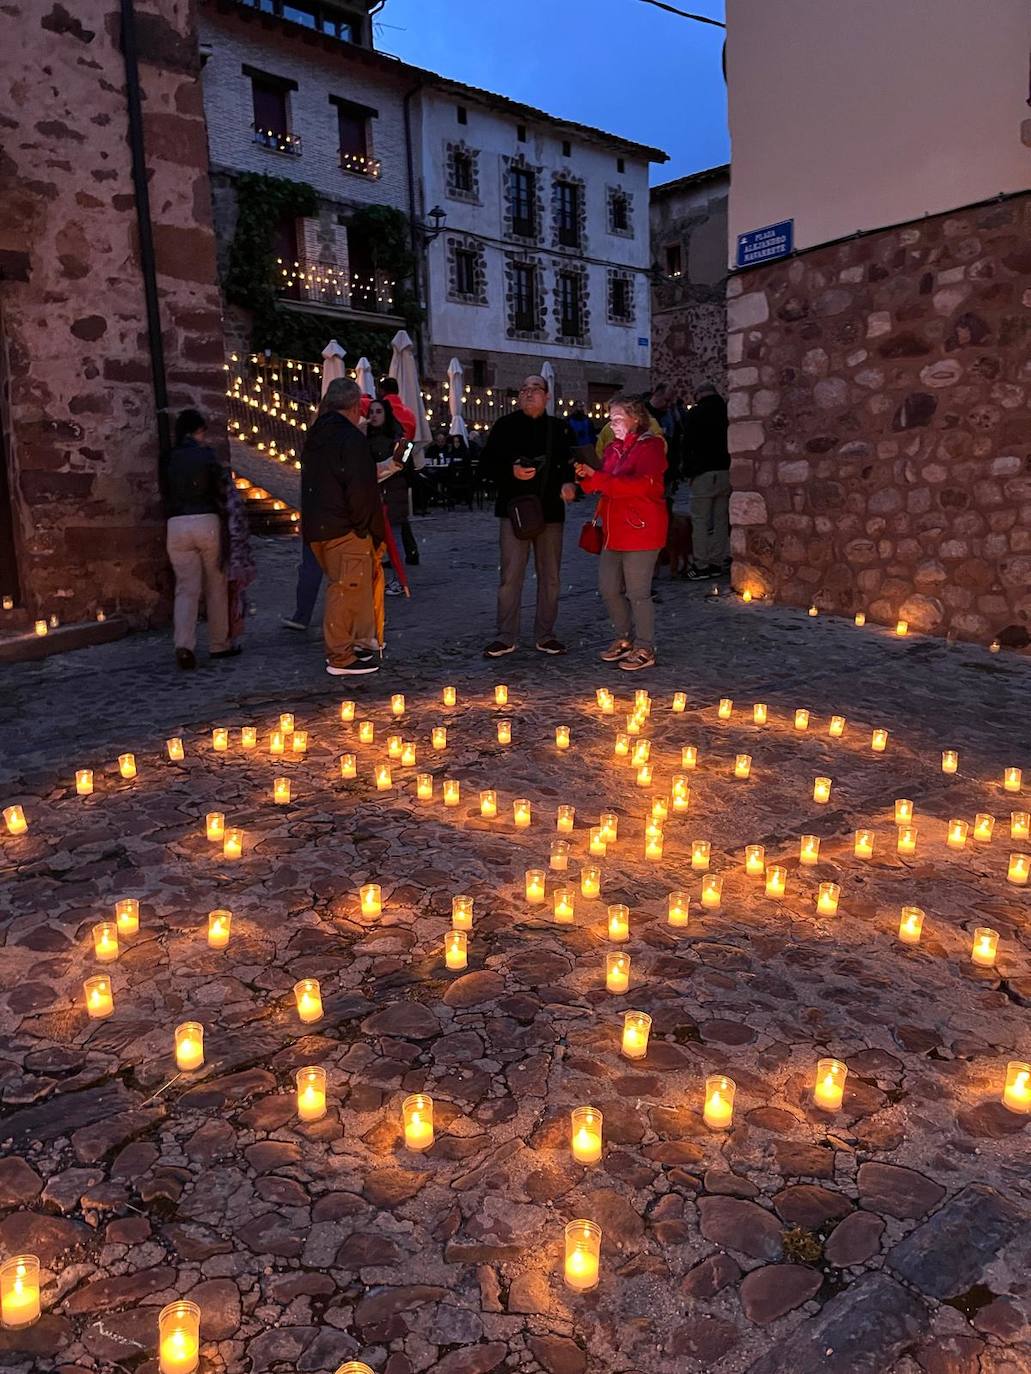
(361, 165)
(276, 141)
(327, 283)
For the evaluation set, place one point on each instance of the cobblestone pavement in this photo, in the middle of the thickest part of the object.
(891, 1235)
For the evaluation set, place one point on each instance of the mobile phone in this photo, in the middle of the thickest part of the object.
(406, 453)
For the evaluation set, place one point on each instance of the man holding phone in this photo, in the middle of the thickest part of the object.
(528, 455)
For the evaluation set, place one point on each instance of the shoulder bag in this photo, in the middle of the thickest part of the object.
(526, 513)
(592, 536)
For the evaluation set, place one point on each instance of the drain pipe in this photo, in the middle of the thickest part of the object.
(146, 231)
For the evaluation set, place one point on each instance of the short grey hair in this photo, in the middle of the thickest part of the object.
(342, 394)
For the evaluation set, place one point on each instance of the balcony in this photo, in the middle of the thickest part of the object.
(277, 142)
(361, 165)
(328, 285)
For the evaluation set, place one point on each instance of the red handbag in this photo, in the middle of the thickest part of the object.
(592, 536)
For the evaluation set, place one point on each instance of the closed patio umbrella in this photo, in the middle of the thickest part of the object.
(548, 373)
(405, 372)
(332, 363)
(363, 376)
(456, 395)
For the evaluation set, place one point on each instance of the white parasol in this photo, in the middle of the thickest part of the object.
(456, 395)
(363, 376)
(332, 363)
(548, 373)
(405, 372)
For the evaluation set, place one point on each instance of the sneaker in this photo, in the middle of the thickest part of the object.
(356, 668)
(619, 648)
(550, 646)
(234, 652)
(498, 648)
(292, 623)
(638, 659)
(704, 574)
(186, 658)
(394, 589)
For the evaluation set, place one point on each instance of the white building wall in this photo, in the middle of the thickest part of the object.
(855, 117)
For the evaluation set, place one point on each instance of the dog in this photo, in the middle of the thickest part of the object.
(679, 545)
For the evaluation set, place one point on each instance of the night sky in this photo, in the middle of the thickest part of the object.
(619, 65)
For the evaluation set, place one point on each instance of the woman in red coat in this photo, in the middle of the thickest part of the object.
(634, 521)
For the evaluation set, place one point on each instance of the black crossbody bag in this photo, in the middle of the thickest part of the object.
(526, 513)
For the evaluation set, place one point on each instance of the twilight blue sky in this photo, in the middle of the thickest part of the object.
(620, 65)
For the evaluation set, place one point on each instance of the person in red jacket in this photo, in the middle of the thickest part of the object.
(404, 417)
(634, 520)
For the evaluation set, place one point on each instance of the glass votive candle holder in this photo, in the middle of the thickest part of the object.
(637, 1027)
(41, 627)
(679, 793)
(621, 744)
(395, 746)
(286, 722)
(308, 996)
(689, 757)
(827, 899)
(1020, 825)
(178, 1338)
(619, 923)
(755, 860)
(348, 766)
(902, 628)
(564, 820)
(860, 618)
(522, 813)
(277, 742)
(99, 998)
(903, 810)
(641, 753)
(408, 754)
(585, 1134)
(776, 881)
(452, 792)
(597, 844)
(822, 790)
(127, 915)
(617, 971)
(504, 732)
(660, 809)
(281, 791)
(449, 696)
(829, 1087)
(189, 1046)
(417, 1120)
(678, 911)
(984, 825)
(608, 824)
(590, 881)
(105, 941)
(311, 1092)
(863, 844)
(397, 704)
(559, 858)
(742, 765)
(232, 844)
(127, 765)
(985, 947)
(220, 739)
(366, 731)
(535, 881)
(384, 777)
(1012, 779)
(215, 826)
(643, 700)
(801, 719)
(564, 905)
(879, 741)
(809, 850)
(248, 737)
(84, 782)
(19, 1290)
(950, 761)
(759, 713)
(1018, 869)
(462, 913)
(836, 728)
(644, 775)
(438, 737)
(583, 1255)
(712, 890)
(1016, 1095)
(725, 709)
(679, 702)
(424, 787)
(219, 926)
(561, 736)
(489, 804)
(700, 851)
(501, 695)
(957, 834)
(174, 747)
(456, 954)
(347, 711)
(911, 925)
(906, 842)
(718, 1112)
(371, 897)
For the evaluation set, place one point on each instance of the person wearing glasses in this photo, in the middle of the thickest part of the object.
(529, 458)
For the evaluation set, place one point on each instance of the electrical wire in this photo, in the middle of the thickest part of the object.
(684, 14)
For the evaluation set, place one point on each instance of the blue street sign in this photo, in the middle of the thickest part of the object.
(760, 245)
(642, 343)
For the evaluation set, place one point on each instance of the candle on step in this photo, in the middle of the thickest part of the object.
(809, 850)
(860, 618)
(559, 857)
(286, 722)
(822, 790)
(906, 843)
(41, 627)
(585, 1134)
(248, 737)
(689, 757)
(276, 742)
(178, 1338)
(644, 775)
(759, 713)
(776, 881)
(827, 899)
(641, 753)
(19, 1291)
(1012, 779)
(903, 811)
(371, 895)
(679, 702)
(814, 610)
(424, 786)
(232, 844)
(863, 846)
(725, 708)
(449, 696)
(636, 1029)
(189, 1046)
(742, 765)
(220, 739)
(311, 1092)
(417, 1117)
(985, 947)
(105, 941)
(384, 780)
(564, 899)
(755, 860)
(84, 781)
(911, 925)
(347, 711)
(564, 819)
(215, 826)
(712, 890)
(281, 791)
(308, 996)
(621, 745)
(608, 823)
(456, 950)
(653, 843)
(501, 695)
(452, 792)
(439, 737)
(634, 724)
(950, 761)
(1020, 825)
(619, 923)
(535, 884)
(700, 851)
(408, 754)
(395, 746)
(606, 701)
(829, 1087)
(561, 736)
(679, 909)
(590, 881)
(1016, 1095)
(397, 704)
(583, 1255)
(462, 913)
(660, 809)
(174, 746)
(348, 766)
(902, 628)
(127, 915)
(1019, 868)
(504, 732)
(99, 998)
(366, 731)
(879, 741)
(219, 926)
(957, 836)
(522, 813)
(489, 804)
(983, 827)
(617, 971)
(718, 1112)
(837, 727)
(127, 765)
(801, 719)
(597, 844)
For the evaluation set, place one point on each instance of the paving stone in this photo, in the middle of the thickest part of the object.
(854, 1240)
(30, 1233)
(19, 1182)
(769, 1292)
(707, 1279)
(897, 1191)
(473, 989)
(740, 1226)
(807, 1204)
(558, 1354)
(949, 1254)
(951, 1355)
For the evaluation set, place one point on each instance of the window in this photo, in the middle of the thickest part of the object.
(620, 212)
(521, 132)
(353, 137)
(462, 113)
(569, 305)
(270, 108)
(621, 299)
(479, 372)
(674, 261)
(568, 214)
(524, 281)
(465, 272)
(620, 165)
(344, 29)
(567, 148)
(524, 202)
(463, 173)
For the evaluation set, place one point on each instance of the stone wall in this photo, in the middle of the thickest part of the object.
(881, 428)
(79, 413)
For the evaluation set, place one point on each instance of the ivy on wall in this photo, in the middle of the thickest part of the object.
(251, 276)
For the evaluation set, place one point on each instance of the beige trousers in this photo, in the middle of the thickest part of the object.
(194, 544)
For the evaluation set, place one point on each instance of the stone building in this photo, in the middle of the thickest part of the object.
(879, 383)
(109, 311)
(689, 257)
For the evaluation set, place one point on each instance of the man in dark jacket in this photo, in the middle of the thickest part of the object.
(707, 465)
(528, 454)
(342, 522)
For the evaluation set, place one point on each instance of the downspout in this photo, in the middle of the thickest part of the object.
(413, 223)
(145, 228)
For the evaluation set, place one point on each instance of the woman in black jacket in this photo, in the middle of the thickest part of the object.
(384, 434)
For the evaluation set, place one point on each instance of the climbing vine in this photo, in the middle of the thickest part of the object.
(252, 272)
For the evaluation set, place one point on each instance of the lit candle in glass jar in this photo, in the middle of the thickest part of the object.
(127, 765)
(461, 913)
(679, 793)
(759, 713)
(456, 950)
(950, 761)
(41, 627)
(1012, 779)
(347, 711)
(679, 909)
(585, 1134)
(755, 860)
(348, 766)
(488, 804)
(814, 611)
(605, 700)
(215, 826)
(809, 850)
(608, 823)
(860, 618)
(397, 704)
(105, 941)
(308, 995)
(299, 743)
(718, 1112)
(248, 737)
(276, 742)
(911, 925)
(417, 1117)
(619, 923)
(644, 775)
(219, 925)
(590, 881)
(439, 737)
(660, 809)
(863, 846)
(504, 732)
(985, 947)
(449, 696)
(597, 844)
(641, 753)
(742, 765)
(957, 837)
(99, 999)
(583, 1255)
(286, 723)
(371, 898)
(617, 971)
(232, 844)
(700, 850)
(395, 746)
(424, 786)
(127, 915)
(564, 905)
(564, 819)
(452, 792)
(501, 695)
(311, 1093)
(84, 782)
(281, 791)
(1019, 868)
(178, 1338)
(189, 1046)
(776, 881)
(366, 731)
(902, 628)
(906, 843)
(829, 1087)
(725, 709)
(712, 890)
(19, 1290)
(801, 719)
(559, 857)
(408, 754)
(837, 727)
(643, 700)
(827, 899)
(174, 746)
(522, 813)
(636, 1029)
(534, 883)
(384, 781)
(621, 745)
(821, 790)
(689, 757)
(903, 811)
(1020, 825)
(220, 739)
(679, 702)
(561, 736)
(879, 741)
(983, 827)
(1016, 1095)
(634, 724)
